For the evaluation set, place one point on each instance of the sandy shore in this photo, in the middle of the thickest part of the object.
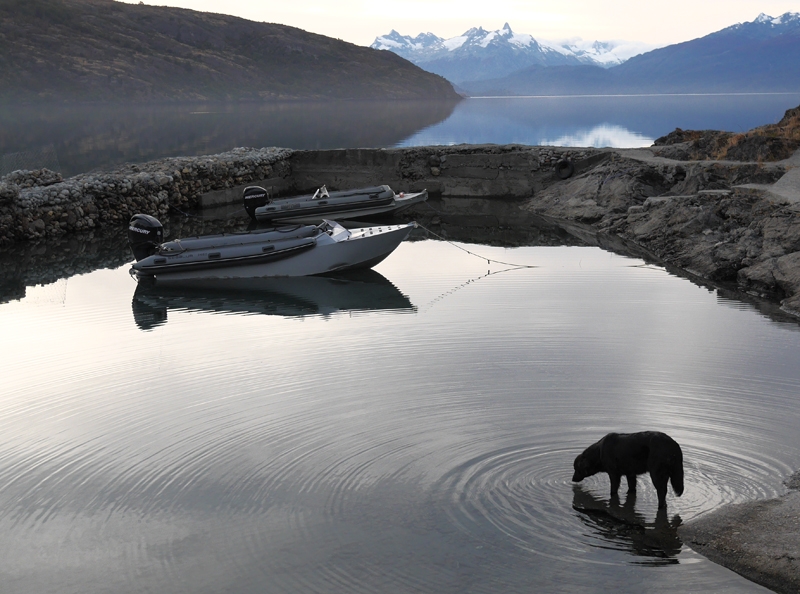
(759, 540)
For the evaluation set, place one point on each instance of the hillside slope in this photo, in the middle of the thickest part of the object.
(101, 50)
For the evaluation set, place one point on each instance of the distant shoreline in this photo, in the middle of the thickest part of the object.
(590, 96)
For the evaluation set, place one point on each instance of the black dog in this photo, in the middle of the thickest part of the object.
(629, 454)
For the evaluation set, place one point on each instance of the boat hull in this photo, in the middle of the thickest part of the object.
(306, 211)
(341, 251)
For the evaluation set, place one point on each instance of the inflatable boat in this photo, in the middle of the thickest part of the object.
(345, 204)
(298, 250)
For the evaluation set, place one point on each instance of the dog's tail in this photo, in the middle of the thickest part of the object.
(676, 477)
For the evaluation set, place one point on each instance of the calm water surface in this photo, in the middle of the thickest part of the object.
(75, 139)
(617, 121)
(411, 430)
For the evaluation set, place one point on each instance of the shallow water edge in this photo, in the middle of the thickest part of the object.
(757, 540)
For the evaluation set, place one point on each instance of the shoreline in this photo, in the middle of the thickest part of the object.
(729, 222)
(758, 539)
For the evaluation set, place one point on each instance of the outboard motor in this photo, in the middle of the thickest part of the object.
(254, 197)
(145, 234)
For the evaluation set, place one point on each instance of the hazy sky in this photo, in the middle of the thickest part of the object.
(360, 21)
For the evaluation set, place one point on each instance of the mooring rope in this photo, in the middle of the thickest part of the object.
(449, 292)
(188, 214)
(488, 260)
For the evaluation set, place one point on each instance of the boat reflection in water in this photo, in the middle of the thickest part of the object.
(355, 291)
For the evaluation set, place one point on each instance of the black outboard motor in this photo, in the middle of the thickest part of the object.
(145, 234)
(253, 198)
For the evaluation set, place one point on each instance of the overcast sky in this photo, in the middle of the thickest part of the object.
(360, 21)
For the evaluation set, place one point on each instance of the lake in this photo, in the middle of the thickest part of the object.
(406, 430)
(79, 138)
(409, 430)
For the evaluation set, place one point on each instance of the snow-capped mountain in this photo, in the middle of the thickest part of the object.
(767, 26)
(479, 54)
(759, 56)
(410, 48)
(603, 53)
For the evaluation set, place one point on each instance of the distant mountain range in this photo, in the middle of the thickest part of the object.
(758, 56)
(479, 54)
(101, 50)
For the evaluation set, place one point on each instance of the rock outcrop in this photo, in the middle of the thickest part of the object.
(773, 142)
(711, 219)
(757, 539)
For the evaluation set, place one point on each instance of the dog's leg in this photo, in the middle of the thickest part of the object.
(630, 501)
(660, 483)
(615, 481)
(631, 478)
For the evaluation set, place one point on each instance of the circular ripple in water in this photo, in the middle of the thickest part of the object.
(524, 495)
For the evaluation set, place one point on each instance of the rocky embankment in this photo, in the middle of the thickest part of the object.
(39, 204)
(734, 223)
(773, 142)
(723, 221)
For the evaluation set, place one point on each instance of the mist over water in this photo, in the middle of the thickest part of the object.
(88, 137)
(408, 430)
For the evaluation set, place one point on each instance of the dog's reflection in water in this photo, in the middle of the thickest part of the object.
(620, 527)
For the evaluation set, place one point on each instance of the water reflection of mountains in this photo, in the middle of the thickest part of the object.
(354, 292)
(104, 136)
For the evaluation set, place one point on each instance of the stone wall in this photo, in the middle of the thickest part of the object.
(497, 171)
(42, 204)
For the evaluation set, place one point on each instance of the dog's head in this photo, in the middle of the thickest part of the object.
(582, 470)
(588, 462)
